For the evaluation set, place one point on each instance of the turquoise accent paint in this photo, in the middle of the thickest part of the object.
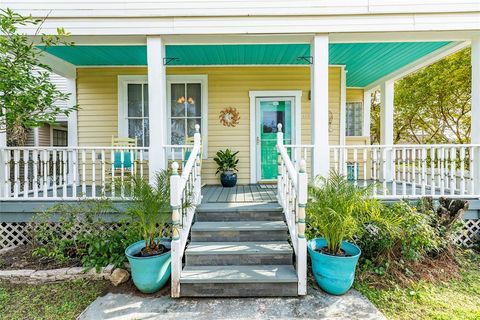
(333, 274)
(365, 62)
(127, 160)
(149, 274)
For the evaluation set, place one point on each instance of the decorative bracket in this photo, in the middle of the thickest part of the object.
(308, 59)
(167, 61)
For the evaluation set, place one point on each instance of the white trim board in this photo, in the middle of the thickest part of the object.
(296, 112)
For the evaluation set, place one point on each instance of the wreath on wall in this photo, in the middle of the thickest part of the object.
(229, 117)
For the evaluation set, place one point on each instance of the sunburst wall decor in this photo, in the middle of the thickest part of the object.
(229, 117)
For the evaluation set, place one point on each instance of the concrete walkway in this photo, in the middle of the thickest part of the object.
(316, 305)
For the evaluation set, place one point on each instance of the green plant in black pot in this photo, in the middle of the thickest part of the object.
(227, 167)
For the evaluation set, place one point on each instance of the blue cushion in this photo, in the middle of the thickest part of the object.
(127, 160)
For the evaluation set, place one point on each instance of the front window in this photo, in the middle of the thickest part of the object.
(354, 118)
(185, 111)
(59, 138)
(137, 113)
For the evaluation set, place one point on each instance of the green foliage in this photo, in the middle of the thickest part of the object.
(337, 210)
(95, 243)
(27, 97)
(226, 161)
(431, 105)
(151, 207)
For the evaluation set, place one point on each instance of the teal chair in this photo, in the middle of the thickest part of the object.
(128, 156)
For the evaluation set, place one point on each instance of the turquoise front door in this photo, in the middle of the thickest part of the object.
(271, 112)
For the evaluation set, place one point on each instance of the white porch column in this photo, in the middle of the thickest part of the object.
(319, 105)
(157, 101)
(367, 106)
(475, 121)
(386, 126)
(72, 124)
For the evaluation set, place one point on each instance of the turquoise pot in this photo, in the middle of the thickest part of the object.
(333, 274)
(149, 274)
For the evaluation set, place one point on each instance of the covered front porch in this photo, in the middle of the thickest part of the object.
(319, 89)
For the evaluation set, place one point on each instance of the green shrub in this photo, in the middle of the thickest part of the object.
(82, 234)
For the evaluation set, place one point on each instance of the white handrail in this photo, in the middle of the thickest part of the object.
(292, 195)
(185, 195)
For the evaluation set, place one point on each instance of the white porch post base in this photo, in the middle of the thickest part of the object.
(386, 129)
(475, 122)
(157, 104)
(319, 105)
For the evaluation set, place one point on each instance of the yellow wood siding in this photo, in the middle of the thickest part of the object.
(97, 97)
(354, 95)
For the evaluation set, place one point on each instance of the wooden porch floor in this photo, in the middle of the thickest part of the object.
(244, 193)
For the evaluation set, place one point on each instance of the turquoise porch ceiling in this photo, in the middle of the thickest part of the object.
(365, 62)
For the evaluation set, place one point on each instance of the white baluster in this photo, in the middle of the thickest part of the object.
(335, 160)
(16, 173)
(112, 154)
(432, 171)
(35, 173)
(94, 187)
(462, 170)
(355, 173)
(472, 169)
(394, 173)
(122, 173)
(84, 173)
(375, 170)
(365, 177)
(384, 171)
(442, 171)
(65, 173)
(424, 170)
(102, 155)
(26, 155)
(54, 181)
(141, 163)
(453, 170)
(45, 173)
(74, 160)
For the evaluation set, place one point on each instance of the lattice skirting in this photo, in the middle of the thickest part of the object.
(18, 233)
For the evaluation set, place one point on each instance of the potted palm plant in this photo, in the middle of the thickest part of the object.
(150, 258)
(336, 211)
(227, 167)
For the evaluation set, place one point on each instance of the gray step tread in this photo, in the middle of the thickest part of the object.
(204, 248)
(239, 226)
(239, 274)
(238, 207)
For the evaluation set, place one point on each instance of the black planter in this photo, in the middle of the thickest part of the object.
(228, 179)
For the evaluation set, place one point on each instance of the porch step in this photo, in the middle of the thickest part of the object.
(239, 281)
(238, 253)
(239, 231)
(241, 212)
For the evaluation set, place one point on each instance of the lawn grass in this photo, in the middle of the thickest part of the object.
(455, 299)
(64, 300)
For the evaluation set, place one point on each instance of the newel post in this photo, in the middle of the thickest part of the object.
(197, 142)
(279, 162)
(302, 196)
(175, 203)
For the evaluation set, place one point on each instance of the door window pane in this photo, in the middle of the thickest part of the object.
(194, 101)
(178, 131)
(135, 100)
(178, 100)
(354, 119)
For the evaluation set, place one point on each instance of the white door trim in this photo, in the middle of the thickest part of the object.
(296, 121)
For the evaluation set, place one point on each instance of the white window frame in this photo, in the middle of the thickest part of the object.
(203, 80)
(363, 116)
(123, 82)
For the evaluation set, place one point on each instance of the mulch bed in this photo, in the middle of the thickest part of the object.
(21, 258)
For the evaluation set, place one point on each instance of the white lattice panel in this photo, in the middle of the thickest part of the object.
(470, 233)
(14, 234)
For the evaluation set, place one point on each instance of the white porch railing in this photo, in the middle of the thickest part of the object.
(185, 195)
(410, 171)
(292, 187)
(61, 173)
